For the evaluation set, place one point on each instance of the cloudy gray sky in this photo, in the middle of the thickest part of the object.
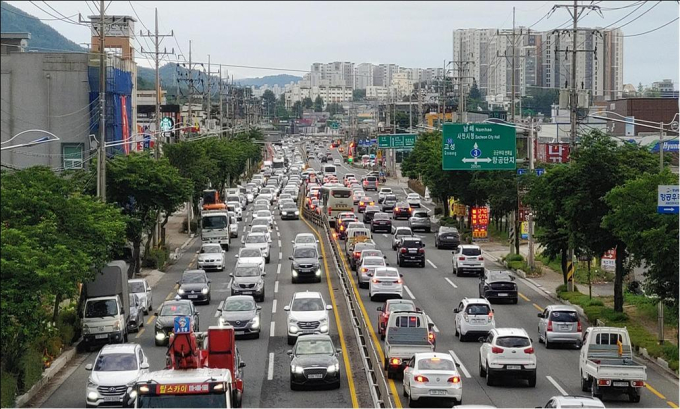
(292, 35)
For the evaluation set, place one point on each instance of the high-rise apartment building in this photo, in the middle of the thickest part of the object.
(364, 75)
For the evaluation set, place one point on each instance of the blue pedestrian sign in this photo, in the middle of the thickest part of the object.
(182, 325)
(540, 171)
(668, 199)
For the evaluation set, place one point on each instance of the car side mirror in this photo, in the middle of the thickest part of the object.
(292, 241)
(144, 365)
(209, 281)
(387, 264)
(155, 313)
(338, 350)
(242, 365)
(290, 258)
(176, 282)
(286, 308)
(236, 255)
(457, 365)
(290, 353)
(512, 278)
(88, 367)
(329, 307)
(539, 315)
(379, 309)
(369, 274)
(453, 252)
(148, 290)
(481, 339)
(401, 274)
(320, 257)
(456, 311)
(259, 307)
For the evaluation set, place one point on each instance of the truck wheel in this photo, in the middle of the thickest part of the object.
(482, 370)
(532, 380)
(634, 396)
(585, 383)
(595, 390)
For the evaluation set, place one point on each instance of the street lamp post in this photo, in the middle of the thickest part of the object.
(44, 139)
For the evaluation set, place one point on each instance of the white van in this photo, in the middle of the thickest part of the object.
(329, 170)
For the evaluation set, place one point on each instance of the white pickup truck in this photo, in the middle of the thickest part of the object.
(606, 364)
(407, 334)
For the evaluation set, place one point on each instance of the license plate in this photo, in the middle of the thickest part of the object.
(239, 332)
(624, 384)
(437, 392)
(502, 294)
(102, 336)
(387, 284)
(112, 398)
(246, 292)
(193, 296)
(565, 327)
(413, 250)
(315, 376)
(514, 367)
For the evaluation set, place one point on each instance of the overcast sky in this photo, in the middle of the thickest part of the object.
(292, 35)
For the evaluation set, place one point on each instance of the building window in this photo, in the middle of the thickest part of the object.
(72, 154)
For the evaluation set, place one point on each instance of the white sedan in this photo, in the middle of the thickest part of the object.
(386, 281)
(432, 375)
(264, 214)
(212, 256)
(413, 199)
(251, 255)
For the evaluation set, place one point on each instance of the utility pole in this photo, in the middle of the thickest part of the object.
(573, 104)
(190, 118)
(210, 73)
(157, 38)
(512, 34)
(101, 162)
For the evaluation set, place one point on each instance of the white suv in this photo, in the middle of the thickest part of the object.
(468, 259)
(307, 314)
(113, 373)
(384, 191)
(474, 318)
(509, 352)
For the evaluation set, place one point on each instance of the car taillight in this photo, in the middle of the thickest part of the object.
(403, 250)
(396, 209)
(376, 281)
(490, 316)
(400, 281)
(529, 350)
(329, 210)
(361, 203)
(421, 251)
(578, 326)
(364, 270)
(421, 378)
(496, 350)
(604, 382)
(357, 254)
(461, 258)
(480, 258)
(454, 379)
(409, 209)
(430, 336)
(386, 315)
(638, 384)
(365, 183)
(549, 326)
(395, 361)
(342, 228)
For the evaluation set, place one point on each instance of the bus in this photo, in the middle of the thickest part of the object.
(335, 199)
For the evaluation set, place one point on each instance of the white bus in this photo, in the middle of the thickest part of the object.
(335, 199)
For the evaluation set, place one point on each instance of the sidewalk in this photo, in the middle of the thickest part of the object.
(550, 279)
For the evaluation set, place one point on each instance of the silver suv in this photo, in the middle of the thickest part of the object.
(420, 220)
(307, 314)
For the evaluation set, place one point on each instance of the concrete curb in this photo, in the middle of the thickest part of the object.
(47, 374)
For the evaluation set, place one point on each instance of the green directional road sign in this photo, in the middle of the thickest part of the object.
(478, 147)
(397, 141)
(333, 124)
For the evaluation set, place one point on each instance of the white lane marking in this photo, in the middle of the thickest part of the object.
(410, 294)
(280, 255)
(278, 269)
(434, 326)
(279, 243)
(271, 329)
(244, 229)
(270, 369)
(219, 307)
(450, 282)
(557, 386)
(432, 264)
(276, 287)
(274, 307)
(462, 367)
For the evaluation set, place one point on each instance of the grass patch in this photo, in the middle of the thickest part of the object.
(497, 234)
(647, 307)
(640, 337)
(8, 389)
(597, 275)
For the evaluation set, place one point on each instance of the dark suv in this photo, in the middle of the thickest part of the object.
(401, 210)
(388, 203)
(381, 221)
(498, 285)
(369, 212)
(447, 237)
(411, 250)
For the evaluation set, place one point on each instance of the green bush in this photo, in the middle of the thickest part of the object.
(31, 369)
(438, 211)
(194, 226)
(156, 258)
(514, 257)
(517, 265)
(8, 389)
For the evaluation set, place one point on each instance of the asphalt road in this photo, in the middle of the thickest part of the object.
(437, 291)
(267, 371)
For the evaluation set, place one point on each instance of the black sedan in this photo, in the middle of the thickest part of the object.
(381, 221)
(447, 237)
(166, 314)
(195, 286)
(241, 312)
(314, 362)
(498, 285)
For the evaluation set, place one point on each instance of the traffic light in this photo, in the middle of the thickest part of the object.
(350, 159)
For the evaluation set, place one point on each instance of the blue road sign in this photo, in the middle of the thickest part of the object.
(521, 171)
(668, 199)
(182, 325)
(539, 171)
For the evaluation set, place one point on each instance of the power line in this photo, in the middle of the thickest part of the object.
(55, 17)
(58, 12)
(624, 17)
(32, 17)
(645, 12)
(652, 30)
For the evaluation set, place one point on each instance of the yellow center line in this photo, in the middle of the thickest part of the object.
(524, 297)
(151, 317)
(393, 388)
(338, 324)
(538, 307)
(671, 404)
(654, 391)
(141, 331)
(168, 297)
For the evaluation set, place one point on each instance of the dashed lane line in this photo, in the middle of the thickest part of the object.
(462, 367)
(271, 329)
(432, 264)
(557, 386)
(278, 269)
(538, 307)
(274, 307)
(280, 255)
(410, 294)
(276, 287)
(151, 317)
(279, 243)
(524, 297)
(450, 282)
(270, 369)
(140, 332)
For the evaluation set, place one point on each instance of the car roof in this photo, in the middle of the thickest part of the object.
(575, 400)
(469, 246)
(475, 301)
(373, 257)
(518, 332)
(317, 337)
(386, 269)
(428, 355)
(562, 307)
(400, 301)
(118, 349)
(304, 235)
(307, 294)
(193, 271)
(305, 246)
(241, 297)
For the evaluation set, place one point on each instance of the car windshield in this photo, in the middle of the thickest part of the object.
(193, 278)
(264, 213)
(564, 316)
(313, 347)
(305, 239)
(307, 304)
(436, 364)
(101, 308)
(374, 262)
(175, 310)
(211, 249)
(260, 222)
(477, 309)
(242, 304)
(420, 214)
(255, 238)
(214, 222)
(404, 232)
(136, 287)
(371, 253)
(250, 253)
(304, 253)
(289, 206)
(259, 229)
(467, 251)
(513, 342)
(401, 307)
(412, 243)
(386, 273)
(246, 271)
(381, 216)
(116, 362)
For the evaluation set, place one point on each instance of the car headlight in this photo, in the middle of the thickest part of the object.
(91, 384)
(92, 395)
(318, 271)
(221, 321)
(205, 290)
(297, 212)
(234, 285)
(293, 329)
(180, 291)
(116, 326)
(323, 328)
(86, 330)
(133, 394)
(160, 335)
(297, 369)
(284, 213)
(256, 322)
(260, 284)
(333, 368)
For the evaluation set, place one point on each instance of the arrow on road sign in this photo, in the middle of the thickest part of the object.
(475, 160)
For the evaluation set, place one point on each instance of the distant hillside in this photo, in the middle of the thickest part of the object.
(43, 37)
(270, 80)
